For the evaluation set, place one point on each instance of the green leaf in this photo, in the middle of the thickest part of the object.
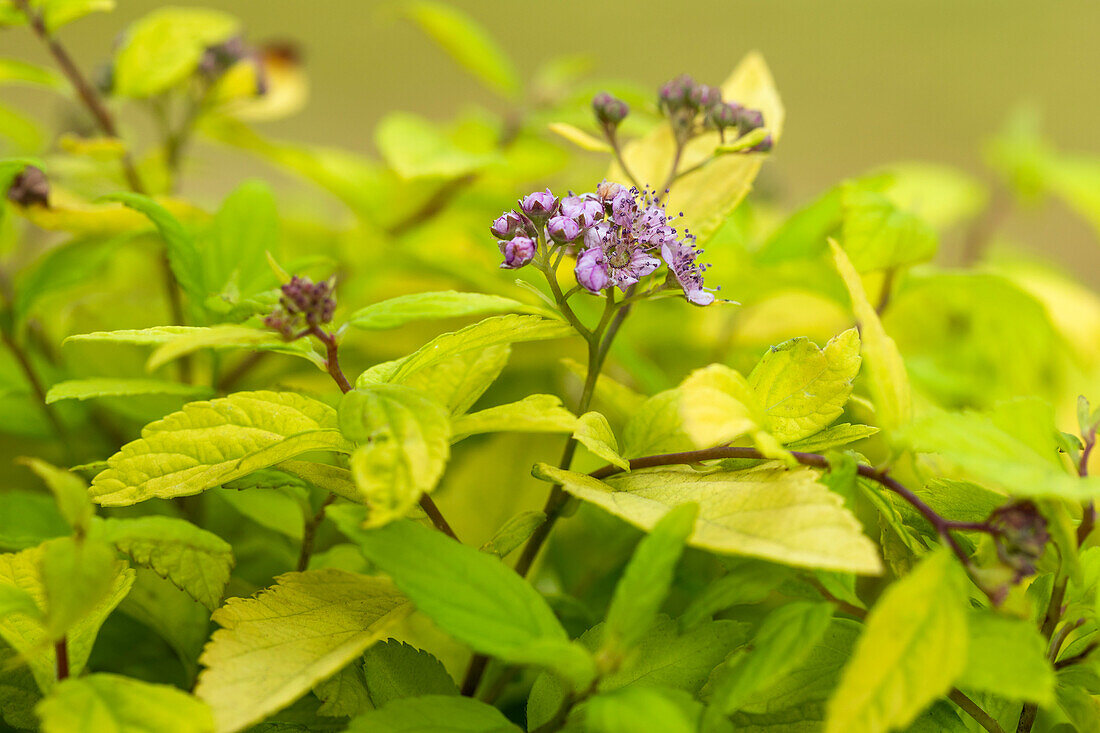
(980, 448)
(888, 381)
(273, 648)
(768, 511)
(18, 691)
(15, 71)
(918, 624)
(65, 266)
(833, 437)
(513, 533)
(345, 693)
(803, 388)
(209, 443)
(594, 433)
(475, 598)
(403, 447)
(163, 48)
(332, 479)
(1007, 657)
(782, 642)
(178, 619)
(645, 583)
(467, 43)
(579, 137)
(110, 702)
(69, 491)
(877, 235)
(57, 13)
(492, 331)
(457, 383)
(87, 389)
(183, 255)
(396, 312)
(394, 670)
(228, 336)
(538, 413)
(76, 577)
(619, 398)
(416, 149)
(194, 560)
(14, 600)
(436, 713)
(747, 582)
(245, 228)
(635, 709)
(29, 637)
(27, 519)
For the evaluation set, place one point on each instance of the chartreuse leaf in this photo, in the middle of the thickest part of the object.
(87, 389)
(403, 438)
(14, 600)
(594, 433)
(396, 312)
(468, 43)
(918, 624)
(782, 642)
(886, 375)
(196, 561)
(57, 13)
(178, 619)
(245, 228)
(344, 694)
(457, 383)
(109, 702)
(183, 255)
(274, 647)
(1007, 657)
(332, 479)
(476, 598)
(709, 194)
(28, 635)
(28, 518)
(994, 456)
(538, 413)
(621, 399)
(76, 576)
(834, 436)
(801, 388)
(163, 48)
(492, 331)
(209, 443)
(15, 71)
(748, 581)
(437, 713)
(877, 235)
(633, 709)
(69, 491)
(768, 511)
(580, 138)
(394, 670)
(415, 148)
(644, 584)
(513, 533)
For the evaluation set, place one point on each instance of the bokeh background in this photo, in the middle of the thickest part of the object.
(864, 82)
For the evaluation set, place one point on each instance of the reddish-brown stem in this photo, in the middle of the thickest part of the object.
(61, 649)
(309, 533)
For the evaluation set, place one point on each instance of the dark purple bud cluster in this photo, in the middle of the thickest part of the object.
(304, 304)
(30, 188)
(1020, 534)
(691, 107)
(610, 110)
(217, 59)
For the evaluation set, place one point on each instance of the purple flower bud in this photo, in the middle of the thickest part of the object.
(724, 115)
(1020, 536)
(507, 225)
(591, 270)
(749, 120)
(30, 188)
(676, 93)
(704, 96)
(539, 205)
(313, 301)
(764, 146)
(562, 229)
(609, 110)
(586, 210)
(517, 252)
(624, 207)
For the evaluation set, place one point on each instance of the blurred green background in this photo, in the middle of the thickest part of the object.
(864, 83)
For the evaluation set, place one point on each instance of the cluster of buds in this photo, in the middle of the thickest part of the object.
(219, 58)
(1020, 535)
(30, 187)
(303, 306)
(621, 236)
(691, 107)
(610, 110)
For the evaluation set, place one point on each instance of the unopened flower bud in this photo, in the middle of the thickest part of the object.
(704, 96)
(313, 301)
(30, 188)
(724, 115)
(609, 110)
(749, 120)
(540, 205)
(764, 146)
(591, 270)
(217, 59)
(607, 189)
(562, 229)
(1021, 535)
(585, 210)
(507, 225)
(676, 93)
(517, 252)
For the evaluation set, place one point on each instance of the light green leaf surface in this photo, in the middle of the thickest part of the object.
(633, 709)
(396, 312)
(77, 577)
(394, 670)
(105, 702)
(274, 647)
(513, 533)
(768, 512)
(877, 235)
(1007, 657)
(594, 433)
(436, 713)
(538, 413)
(69, 491)
(87, 389)
(209, 443)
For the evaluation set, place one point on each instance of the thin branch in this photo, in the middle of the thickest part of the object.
(436, 516)
(309, 533)
(1076, 658)
(61, 649)
(971, 708)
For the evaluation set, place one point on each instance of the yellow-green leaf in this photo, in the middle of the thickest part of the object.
(768, 511)
(396, 312)
(579, 137)
(538, 413)
(102, 703)
(274, 647)
(209, 443)
(69, 491)
(594, 433)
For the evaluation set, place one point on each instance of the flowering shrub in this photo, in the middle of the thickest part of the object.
(275, 468)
